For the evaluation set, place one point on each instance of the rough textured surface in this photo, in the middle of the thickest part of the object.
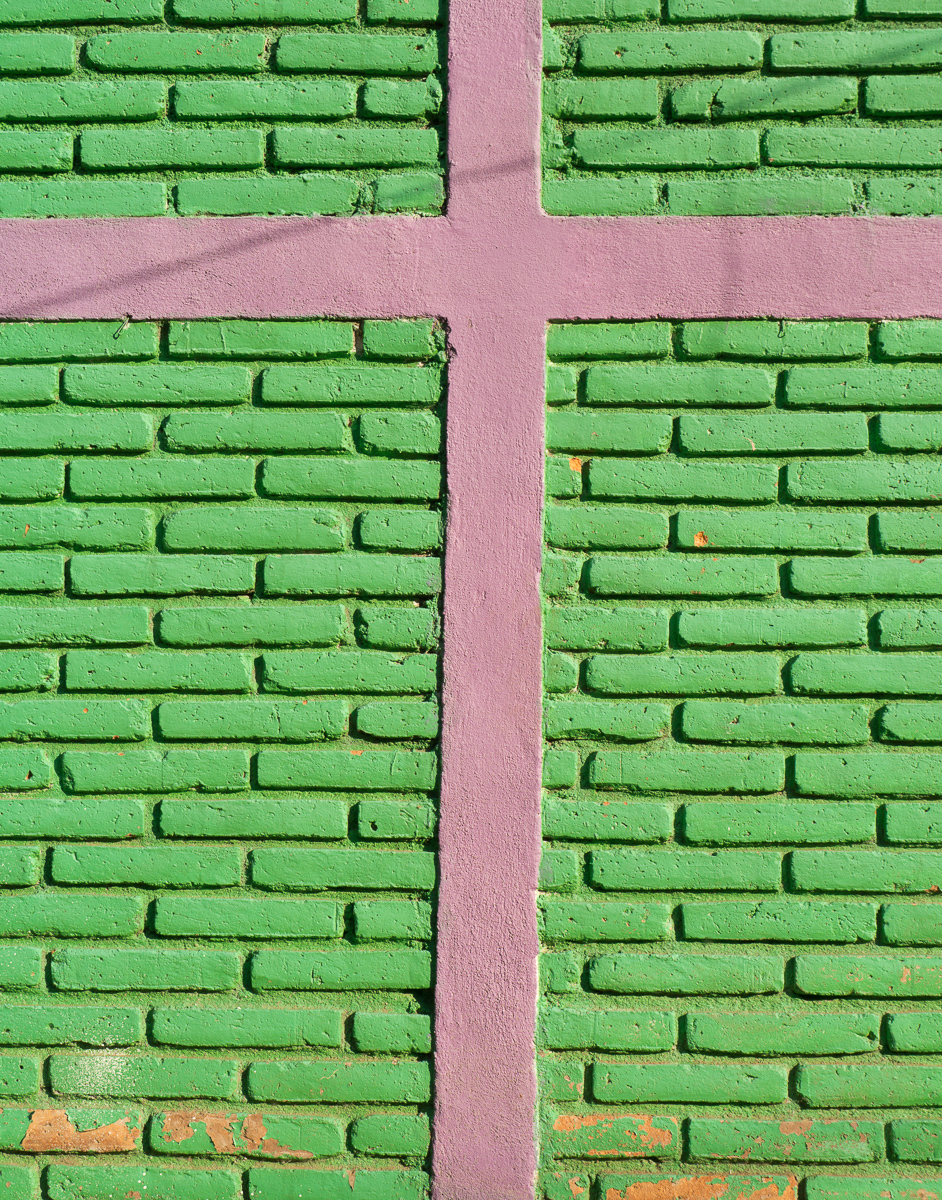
(218, 837)
(113, 109)
(714, 107)
(740, 972)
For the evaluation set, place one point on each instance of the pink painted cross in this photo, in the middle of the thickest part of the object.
(496, 269)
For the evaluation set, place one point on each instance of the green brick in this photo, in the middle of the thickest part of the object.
(269, 12)
(63, 341)
(256, 818)
(863, 774)
(560, 868)
(141, 479)
(865, 1085)
(349, 671)
(259, 339)
(901, 8)
(863, 387)
(253, 430)
(596, 628)
(779, 921)
(773, 433)
(799, 724)
(144, 970)
(772, 530)
(682, 480)
(763, 194)
(259, 529)
(235, 195)
(602, 99)
(115, 1182)
(339, 1082)
(31, 572)
(902, 531)
(576, 921)
(355, 479)
(615, 722)
(908, 195)
(18, 1076)
(19, 866)
(777, 1034)
(900, 978)
(574, 1029)
(398, 340)
(667, 148)
(317, 870)
(700, 770)
(351, 386)
(739, 99)
(400, 433)
(270, 1028)
(887, 576)
(146, 866)
(561, 1080)
(338, 970)
(687, 975)
(390, 1033)
(682, 1084)
(608, 340)
(57, 1025)
(915, 1141)
(862, 675)
(908, 628)
(358, 53)
(913, 1033)
(912, 823)
(685, 871)
(178, 53)
(278, 1184)
(21, 968)
(152, 575)
(161, 671)
(563, 477)
(648, 53)
(909, 339)
(24, 769)
(854, 52)
(64, 12)
(28, 385)
(906, 431)
(257, 720)
(400, 99)
(602, 527)
(394, 721)
(75, 197)
(403, 819)
(35, 151)
(399, 529)
(93, 528)
(773, 1141)
(341, 770)
(155, 1078)
(353, 147)
(163, 384)
(681, 576)
(389, 628)
(771, 824)
(240, 625)
(598, 10)
(61, 915)
(75, 720)
(404, 192)
(352, 574)
(405, 12)
(739, 387)
(261, 1135)
(912, 96)
(852, 147)
(26, 672)
(611, 1136)
(390, 1134)
(606, 432)
(76, 101)
(774, 341)
(156, 771)
(120, 149)
(393, 920)
(616, 820)
(692, 675)
(865, 871)
(253, 917)
(910, 723)
(911, 924)
(72, 818)
(760, 10)
(608, 197)
(37, 54)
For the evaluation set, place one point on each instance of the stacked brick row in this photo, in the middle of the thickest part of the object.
(120, 108)
(742, 966)
(218, 753)
(742, 107)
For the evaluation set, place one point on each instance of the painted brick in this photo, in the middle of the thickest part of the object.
(259, 720)
(315, 870)
(349, 671)
(162, 671)
(738, 99)
(865, 871)
(258, 625)
(861, 675)
(666, 149)
(799, 724)
(295, 1082)
(669, 675)
(862, 387)
(164, 384)
(223, 12)
(865, 774)
(144, 970)
(386, 1033)
(134, 575)
(155, 1078)
(352, 575)
(684, 870)
(151, 866)
(234, 529)
(911, 629)
(102, 1183)
(608, 432)
(776, 824)
(687, 975)
(777, 1034)
(335, 1185)
(613, 820)
(729, 529)
(913, 1033)
(156, 771)
(597, 628)
(903, 978)
(867, 1086)
(75, 720)
(296, 818)
(773, 1141)
(653, 52)
(678, 1083)
(779, 921)
(911, 925)
(906, 431)
(765, 628)
(351, 53)
(741, 387)
(186, 53)
(773, 433)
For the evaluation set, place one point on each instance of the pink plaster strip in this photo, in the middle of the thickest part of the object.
(496, 268)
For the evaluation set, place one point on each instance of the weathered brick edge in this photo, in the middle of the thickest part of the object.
(495, 269)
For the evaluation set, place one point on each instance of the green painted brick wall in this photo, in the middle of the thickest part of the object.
(742, 938)
(220, 107)
(220, 576)
(742, 107)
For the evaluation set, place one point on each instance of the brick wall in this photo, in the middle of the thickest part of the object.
(218, 756)
(741, 984)
(742, 106)
(134, 108)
